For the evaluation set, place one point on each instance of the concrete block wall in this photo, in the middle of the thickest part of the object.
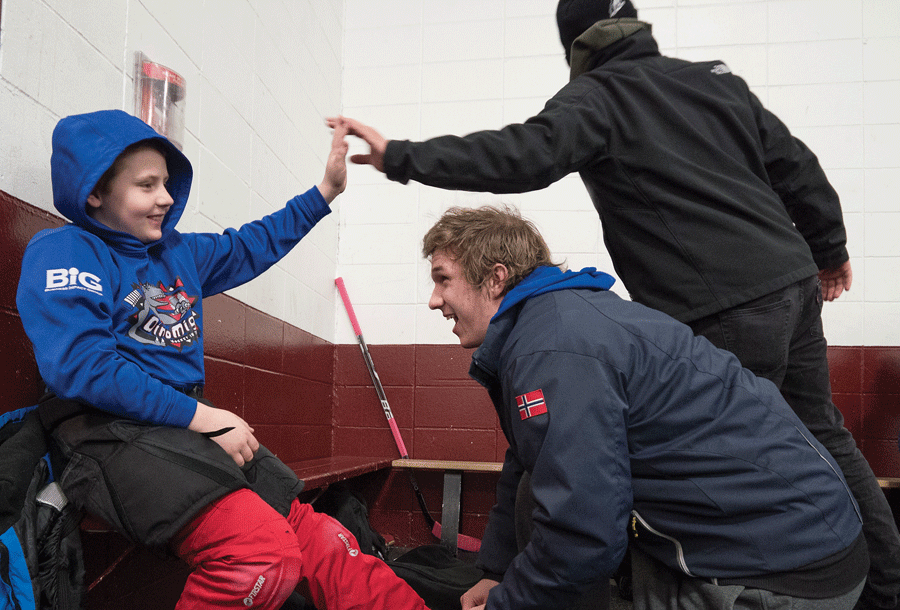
(260, 78)
(415, 69)
(262, 75)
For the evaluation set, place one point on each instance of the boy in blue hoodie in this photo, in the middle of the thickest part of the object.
(113, 305)
(630, 426)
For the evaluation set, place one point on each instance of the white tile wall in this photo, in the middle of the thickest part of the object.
(881, 324)
(395, 45)
(43, 55)
(459, 81)
(722, 23)
(814, 20)
(262, 76)
(882, 189)
(801, 105)
(829, 68)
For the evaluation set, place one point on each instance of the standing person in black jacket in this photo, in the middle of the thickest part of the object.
(712, 212)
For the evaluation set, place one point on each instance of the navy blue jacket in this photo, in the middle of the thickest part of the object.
(621, 414)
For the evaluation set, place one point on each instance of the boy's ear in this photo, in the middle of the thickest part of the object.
(497, 281)
(94, 200)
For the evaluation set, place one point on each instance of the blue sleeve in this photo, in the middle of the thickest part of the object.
(577, 454)
(71, 330)
(239, 255)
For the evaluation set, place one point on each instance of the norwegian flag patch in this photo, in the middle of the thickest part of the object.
(531, 404)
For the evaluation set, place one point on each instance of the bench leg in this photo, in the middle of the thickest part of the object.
(450, 509)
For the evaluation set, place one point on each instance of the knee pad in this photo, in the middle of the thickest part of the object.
(241, 550)
(266, 574)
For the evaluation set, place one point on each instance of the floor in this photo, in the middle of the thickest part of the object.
(591, 601)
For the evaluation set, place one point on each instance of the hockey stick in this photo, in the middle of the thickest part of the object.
(466, 543)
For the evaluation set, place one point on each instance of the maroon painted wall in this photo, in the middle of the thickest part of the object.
(19, 383)
(277, 377)
(445, 415)
(441, 413)
(865, 384)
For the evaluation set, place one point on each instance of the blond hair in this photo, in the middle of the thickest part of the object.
(479, 238)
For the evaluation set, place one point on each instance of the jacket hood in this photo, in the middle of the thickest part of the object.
(542, 280)
(551, 279)
(587, 49)
(86, 145)
(573, 17)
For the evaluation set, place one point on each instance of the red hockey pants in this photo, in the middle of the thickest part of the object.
(244, 554)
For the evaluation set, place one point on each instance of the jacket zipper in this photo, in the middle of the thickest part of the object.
(678, 550)
(839, 477)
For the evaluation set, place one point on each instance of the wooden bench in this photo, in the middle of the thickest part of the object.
(452, 490)
(319, 473)
(450, 510)
(889, 482)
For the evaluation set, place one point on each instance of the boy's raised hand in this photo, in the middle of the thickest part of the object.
(377, 143)
(229, 431)
(335, 180)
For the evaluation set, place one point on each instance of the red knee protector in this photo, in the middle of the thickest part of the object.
(243, 554)
(337, 575)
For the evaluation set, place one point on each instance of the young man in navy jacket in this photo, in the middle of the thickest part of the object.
(712, 212)
(629, 425)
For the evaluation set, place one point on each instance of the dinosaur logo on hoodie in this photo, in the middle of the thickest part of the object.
(165, 315)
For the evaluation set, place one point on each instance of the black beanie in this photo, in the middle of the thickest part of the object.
(573, 17)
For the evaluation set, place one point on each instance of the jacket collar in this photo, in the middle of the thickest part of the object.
(592, 48)
(486, 359)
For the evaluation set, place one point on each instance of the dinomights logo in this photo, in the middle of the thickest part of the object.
(248, 601)
(353, 552)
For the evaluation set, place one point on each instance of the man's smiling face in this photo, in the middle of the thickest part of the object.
(469, 307)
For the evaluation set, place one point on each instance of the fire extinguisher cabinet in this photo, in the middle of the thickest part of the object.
(159, 98)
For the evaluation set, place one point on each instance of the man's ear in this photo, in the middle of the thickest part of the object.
(94, 200)
(497, 281)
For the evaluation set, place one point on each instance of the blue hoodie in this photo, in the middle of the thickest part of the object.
(624, 418)
(549, 279)
(116, 323)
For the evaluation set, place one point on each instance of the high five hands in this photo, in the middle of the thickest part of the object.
(377, 143)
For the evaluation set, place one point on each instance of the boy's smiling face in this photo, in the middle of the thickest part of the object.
(136, 200)
(469, 307)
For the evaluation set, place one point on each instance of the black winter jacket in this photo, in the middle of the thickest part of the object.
(706, 199)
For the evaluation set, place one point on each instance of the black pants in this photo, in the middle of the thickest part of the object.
(149, 481)
(780, 337)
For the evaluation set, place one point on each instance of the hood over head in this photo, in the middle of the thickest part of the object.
(573, 17)
(551, 279)
(86, 145)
